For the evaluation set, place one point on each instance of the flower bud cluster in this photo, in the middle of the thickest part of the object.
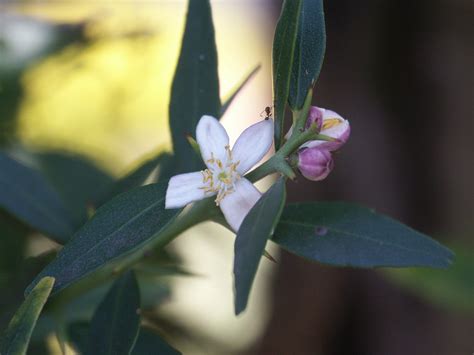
(314, 157)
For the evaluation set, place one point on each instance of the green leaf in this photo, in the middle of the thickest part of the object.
(195, 88)
(13, 236)
(118, 228)
(115, 324)
(161, 162)
(17, 336)
(148, 342)
(452, 288)
(309, 51)
(251, 239)
(235, 91)
(284, 44)
(79, 181)
(27, 195)
(344, 234)
(78, 336)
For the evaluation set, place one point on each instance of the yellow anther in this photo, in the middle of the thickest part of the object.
(331, 122)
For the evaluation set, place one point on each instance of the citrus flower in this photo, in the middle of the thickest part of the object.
(223, 178)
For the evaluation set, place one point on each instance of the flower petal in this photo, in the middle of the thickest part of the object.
(333, 126)
(236, 205)
(252, 145)
(212, 139)
(184, 189)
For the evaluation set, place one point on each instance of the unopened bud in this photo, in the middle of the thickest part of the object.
(315, 164)
(315, 115)
(333, 125)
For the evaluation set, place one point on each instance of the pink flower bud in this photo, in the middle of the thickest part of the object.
(315, 164)
(315, 115)
(333, 125)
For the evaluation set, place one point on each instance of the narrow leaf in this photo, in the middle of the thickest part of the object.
(138, 176)
(284, 44)
(309, 51)
(148, 342)
(27, 195)
(235, 91)
(79, 181)
(195, 88)
(17, 336)
(115, 324)
(452, 289)
(344, 234)
(251, 239)
(120, 227)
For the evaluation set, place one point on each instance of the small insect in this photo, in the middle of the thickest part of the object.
(267, 111)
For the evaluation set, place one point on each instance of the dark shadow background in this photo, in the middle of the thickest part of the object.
(401, 72)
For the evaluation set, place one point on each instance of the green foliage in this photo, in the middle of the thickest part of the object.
(343, 234)
(114, 327)
(79, 182)
(131, 225)
(195, 89)
(251, 239)
(17, 336)
(29, 196)
(12, 246)
(161, 162)
(309, 51)
(150, 343)
(119, 227)
(147, 343)
(452, 288)
(284, 44)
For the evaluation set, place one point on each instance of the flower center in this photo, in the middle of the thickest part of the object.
(220, 177)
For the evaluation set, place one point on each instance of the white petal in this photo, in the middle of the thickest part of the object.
(212, 139)
(252, 145)
(236, 205)
(184, 189)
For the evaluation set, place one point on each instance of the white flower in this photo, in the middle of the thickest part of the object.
(225, 169)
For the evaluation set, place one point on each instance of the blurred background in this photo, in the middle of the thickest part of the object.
(91, 79)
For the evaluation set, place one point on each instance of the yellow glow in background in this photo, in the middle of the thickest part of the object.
(109, 101)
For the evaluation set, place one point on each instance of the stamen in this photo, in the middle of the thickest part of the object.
(331, 122)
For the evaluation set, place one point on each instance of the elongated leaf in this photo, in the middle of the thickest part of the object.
(284, 44)
(119, 227)
(114, 327)
(79, 181)
(148, 342)
(17, 336)
(237, 89)
(344, 234)
(78, 336)
(139, 175)
(251, 239)
(29, 196)
(309, 51)
(195, 89)
(452, 288)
